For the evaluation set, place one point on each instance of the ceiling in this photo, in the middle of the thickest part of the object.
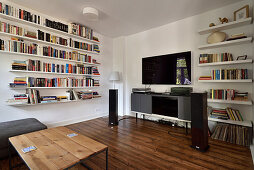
(124, 17)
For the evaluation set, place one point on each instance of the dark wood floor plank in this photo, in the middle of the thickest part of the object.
(147, 145)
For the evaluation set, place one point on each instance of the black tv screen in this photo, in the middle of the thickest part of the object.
(167, 69)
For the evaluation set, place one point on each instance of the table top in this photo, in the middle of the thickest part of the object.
(55, 150)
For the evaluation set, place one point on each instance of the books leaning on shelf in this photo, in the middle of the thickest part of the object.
(227, 94)
(211, 58)
(226, 114)
(235, 134)
(34, 96)
(19, 65)
(230, 74)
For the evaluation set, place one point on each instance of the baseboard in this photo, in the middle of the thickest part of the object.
(76, 120)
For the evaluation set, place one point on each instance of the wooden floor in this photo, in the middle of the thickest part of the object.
(147, 145)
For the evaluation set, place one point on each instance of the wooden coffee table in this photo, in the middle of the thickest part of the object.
(55, 150)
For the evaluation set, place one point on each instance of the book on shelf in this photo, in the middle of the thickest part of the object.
(226, 114)
(227, 94)
(212, 58)
(96, 94)
(95, 71)
(83, 95)
(205, 78)
(235, 134)
(229, 74)
(96, 39)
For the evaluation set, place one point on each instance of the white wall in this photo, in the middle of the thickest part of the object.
(56, 114)
(178, 37)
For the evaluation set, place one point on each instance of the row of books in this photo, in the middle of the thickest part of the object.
(28, 16)
(229, 74)
(17, 45)
(37, 65)
(235, 134)
(11, 29)
(52, 38)
(80, 30)
(81, 45)
(211, 58)
(226, 114)
(227, 94)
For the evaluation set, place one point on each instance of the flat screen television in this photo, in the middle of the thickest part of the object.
(174, 69)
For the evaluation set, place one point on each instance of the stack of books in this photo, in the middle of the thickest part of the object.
(85, 95)
(30, 34)
(96, 39)
(226, 114)
(96, 48)
(19, 82)
(233, 133)
(212, 58)
(95, 61)
(48, 99)
(19, 65)
(205, 78)
(96, 94)
(96, 83)
(19, 99)
(230, 74)
(241, 96)
(95, 71)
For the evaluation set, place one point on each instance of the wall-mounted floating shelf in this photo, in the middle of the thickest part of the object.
(11, 18)
(40, 72)
(47, 57)
(242, 123)
(226, 43)
(229, 101)
(226, 81)
(226, 63)
(225, 26)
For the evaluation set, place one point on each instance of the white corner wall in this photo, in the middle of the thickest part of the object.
(61, 113)
(176, 37)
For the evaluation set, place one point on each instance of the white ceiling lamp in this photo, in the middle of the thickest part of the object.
(91, 14)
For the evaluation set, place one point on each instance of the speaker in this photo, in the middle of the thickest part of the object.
(113, 107)
(199, 121)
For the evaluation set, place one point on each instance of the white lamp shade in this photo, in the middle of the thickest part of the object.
(114, 76)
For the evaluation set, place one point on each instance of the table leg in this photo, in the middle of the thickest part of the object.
(136, 117)
(9, 151)
(107, 159)
(186, 128)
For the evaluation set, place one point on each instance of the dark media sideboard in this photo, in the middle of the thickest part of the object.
(162, 104)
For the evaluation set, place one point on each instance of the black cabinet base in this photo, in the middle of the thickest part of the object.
(199, 149)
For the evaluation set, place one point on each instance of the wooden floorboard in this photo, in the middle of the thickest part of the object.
(148, 145)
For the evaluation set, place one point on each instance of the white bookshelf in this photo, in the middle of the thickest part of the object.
(227, 43)
(46, 43)
(47, 57)
(242, 123)
(226, 81)
(247, 61)
(225, 26)
(40, 72)
(23, 88)
(52, 30)
(27, 104)
(229, 101)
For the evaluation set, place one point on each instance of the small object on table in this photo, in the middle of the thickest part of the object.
(222, 20)
(29, 149)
